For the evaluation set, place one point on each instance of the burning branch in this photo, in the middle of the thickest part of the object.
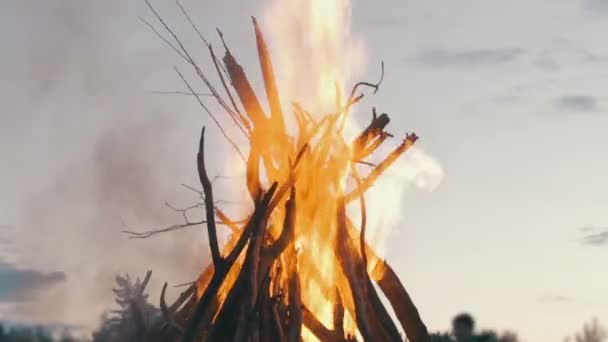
(225, 264)
(297, 264)
(385, 164)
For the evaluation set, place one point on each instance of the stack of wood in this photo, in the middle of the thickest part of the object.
(253, 289)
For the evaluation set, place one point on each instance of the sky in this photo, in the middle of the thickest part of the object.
(507, 97)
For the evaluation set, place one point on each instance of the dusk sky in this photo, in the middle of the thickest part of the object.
(509, 99)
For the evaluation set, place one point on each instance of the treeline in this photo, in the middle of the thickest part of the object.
(21, 333)
(119, 325)
(463, 330)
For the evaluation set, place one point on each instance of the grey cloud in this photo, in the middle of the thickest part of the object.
(547, 60)
(384, 22)
(597, 5)
(596, 237)
(76, 77)
(577, 103)
(469, 58)
(5, 230)
(18, 285)
(564, 51)
(552, 299)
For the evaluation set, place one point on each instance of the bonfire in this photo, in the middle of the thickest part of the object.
(298, 267)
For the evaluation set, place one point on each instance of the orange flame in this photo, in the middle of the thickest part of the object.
(315, 54)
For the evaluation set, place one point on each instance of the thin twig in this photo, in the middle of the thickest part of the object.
(149, 233)
(162, 37)
(221, 101)
(215, 62)
(190, 60)
(193, 189)
(374, 86)
(179, 93)
(185, 284)
(211, 115)
(366, 163)
(184, 211)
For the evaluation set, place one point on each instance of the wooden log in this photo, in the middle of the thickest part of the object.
(317, 328)
(345, 252)
(295, 308)
(183, 297)
(278, 322)
(221, 271)
(402, 303)
(338, 315)
(400, 300)
(271, 253)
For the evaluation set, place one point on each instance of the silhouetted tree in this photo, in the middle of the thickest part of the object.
(441, 337)
(592, 332)
(463, 330)
(134, 314)
(24, 334)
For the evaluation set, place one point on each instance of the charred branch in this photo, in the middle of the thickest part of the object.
(166, 313)
(295, 307)
(317, 328)
(209, 207)
(219, 273)
(404, 307)
(183, 297)
(346, 257)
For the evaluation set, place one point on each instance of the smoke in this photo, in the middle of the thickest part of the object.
(314, 48)
(88, 151)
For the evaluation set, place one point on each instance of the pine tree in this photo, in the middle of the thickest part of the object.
(130, 321)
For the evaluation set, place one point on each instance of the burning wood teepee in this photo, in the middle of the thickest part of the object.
(298, 268)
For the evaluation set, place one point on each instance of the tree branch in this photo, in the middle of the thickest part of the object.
(166, 314)
(209, 207)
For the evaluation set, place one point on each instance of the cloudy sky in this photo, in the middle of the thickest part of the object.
(508, 97)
